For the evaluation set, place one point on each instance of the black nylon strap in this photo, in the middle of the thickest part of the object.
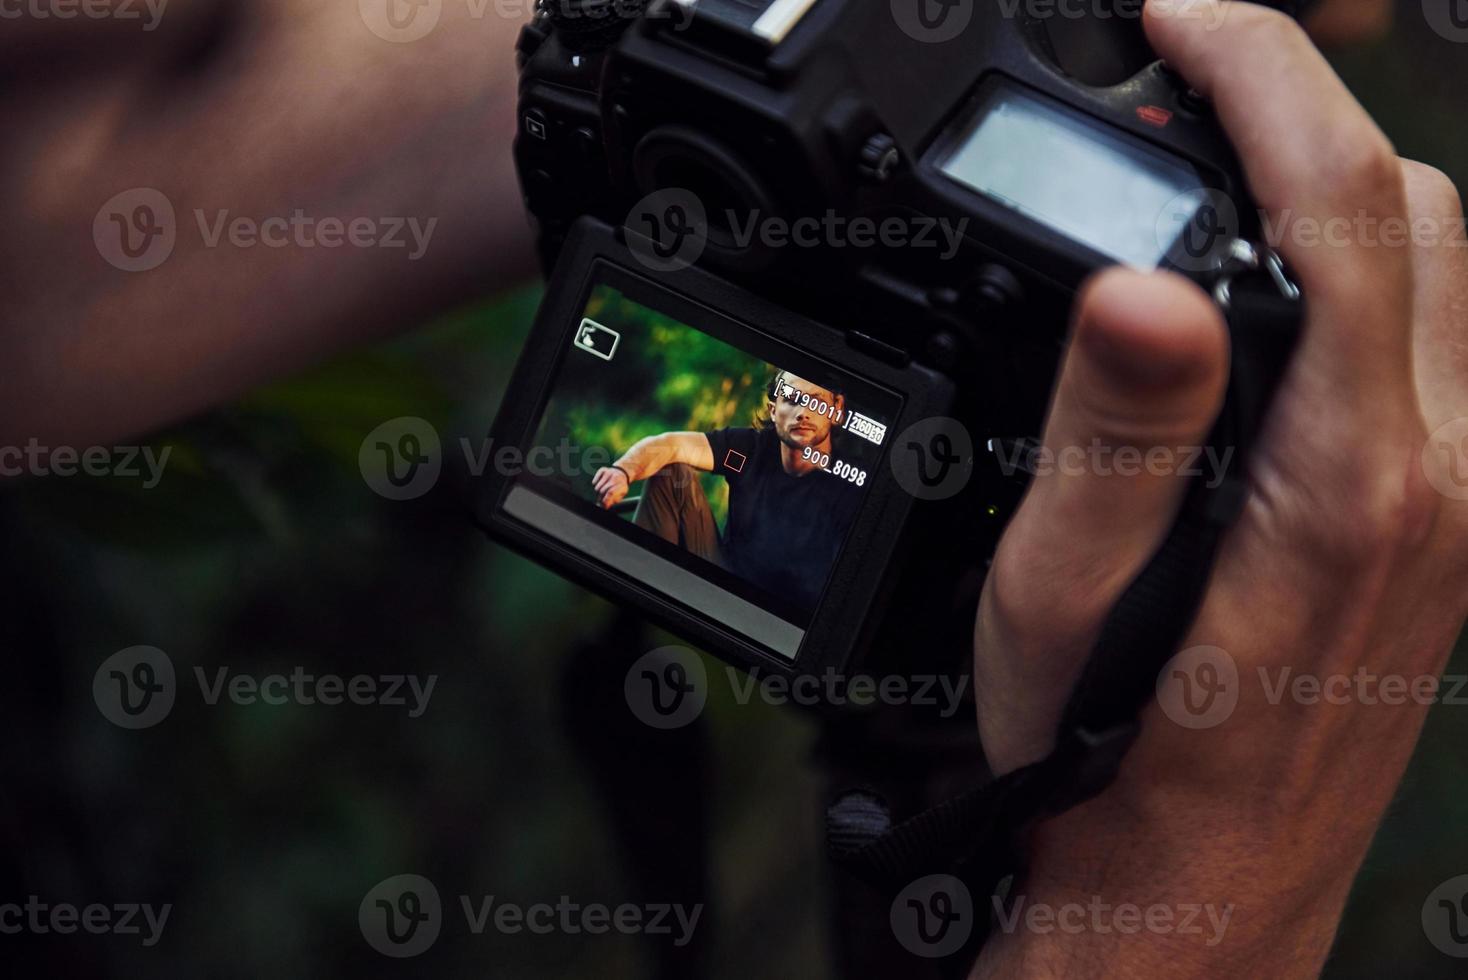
(1144, 629)
(979, 836)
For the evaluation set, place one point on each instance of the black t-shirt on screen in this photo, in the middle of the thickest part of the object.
(783, 532)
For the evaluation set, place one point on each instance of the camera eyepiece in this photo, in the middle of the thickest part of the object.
(730, 190)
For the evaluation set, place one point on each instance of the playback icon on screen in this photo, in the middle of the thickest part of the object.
(596, 339)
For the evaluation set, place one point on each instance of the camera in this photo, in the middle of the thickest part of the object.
(811, 264)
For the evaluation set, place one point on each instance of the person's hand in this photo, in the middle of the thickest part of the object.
(611, 484)
(242, 114)
(1350, 561)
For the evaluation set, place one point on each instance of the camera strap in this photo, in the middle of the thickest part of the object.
(980, 837)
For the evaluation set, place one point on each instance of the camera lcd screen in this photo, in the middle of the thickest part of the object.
(717, 466)
(1079, 177)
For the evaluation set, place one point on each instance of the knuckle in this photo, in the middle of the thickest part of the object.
(1364, 169)
(1432, 192)
(1028, 574)
(1011, 600)
(1388, 510)
(1266, 24)
(1255, 27)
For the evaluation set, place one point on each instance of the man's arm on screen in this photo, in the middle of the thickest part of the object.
(649, 456)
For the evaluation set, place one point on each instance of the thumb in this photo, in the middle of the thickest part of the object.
(1141, 385)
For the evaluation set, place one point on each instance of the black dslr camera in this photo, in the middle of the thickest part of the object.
(813, 262)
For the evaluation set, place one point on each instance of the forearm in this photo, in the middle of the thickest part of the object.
(300, 109)
(647, 457)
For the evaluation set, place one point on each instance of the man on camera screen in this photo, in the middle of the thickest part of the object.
(787, 518)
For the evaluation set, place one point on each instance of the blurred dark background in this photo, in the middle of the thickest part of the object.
(263, 549)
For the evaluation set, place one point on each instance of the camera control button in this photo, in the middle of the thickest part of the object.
(1195, 102)
(536, 125)
(879, 158)
(994, 288)
(587, 146)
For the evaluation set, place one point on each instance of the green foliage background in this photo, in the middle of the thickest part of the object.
(664, 377)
